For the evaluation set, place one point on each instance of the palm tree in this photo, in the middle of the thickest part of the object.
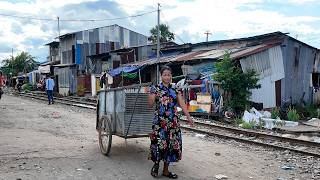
(23, 62)
(165, 34)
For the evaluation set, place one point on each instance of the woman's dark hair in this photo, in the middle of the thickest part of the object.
(163, 68)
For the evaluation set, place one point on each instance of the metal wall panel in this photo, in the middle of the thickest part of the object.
(266, 94)
(269, 66)
(298, 66)
(259, 62)
(276, 62)
(316, 67)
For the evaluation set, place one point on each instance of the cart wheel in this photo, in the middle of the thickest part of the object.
(97, 115)
(105, 136)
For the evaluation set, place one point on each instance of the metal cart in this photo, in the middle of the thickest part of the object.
(123, 112)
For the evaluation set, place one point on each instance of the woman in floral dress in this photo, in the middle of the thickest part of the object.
(166, 140)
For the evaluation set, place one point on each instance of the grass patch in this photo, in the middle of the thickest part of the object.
(292, 114)
(275, 113)
(313, 111)
(248, 125)
(238, 121)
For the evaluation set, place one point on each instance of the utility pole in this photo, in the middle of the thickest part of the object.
(11, 81)
(207, 33)
(59, 50)
(158, 44)
(12, 59)
(58, 18)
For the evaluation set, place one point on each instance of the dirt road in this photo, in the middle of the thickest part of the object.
(38, 141)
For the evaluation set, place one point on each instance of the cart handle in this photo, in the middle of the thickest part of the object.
(134, 86)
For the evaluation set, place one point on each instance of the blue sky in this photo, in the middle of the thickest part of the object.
(189, 19)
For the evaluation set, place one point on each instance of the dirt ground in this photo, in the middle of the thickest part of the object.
(38, 141)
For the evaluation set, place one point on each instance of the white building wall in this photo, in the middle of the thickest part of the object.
(266, 94)
(269, 65)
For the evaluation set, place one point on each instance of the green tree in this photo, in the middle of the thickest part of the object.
(235, 83)
(23, 62)
(165, 34)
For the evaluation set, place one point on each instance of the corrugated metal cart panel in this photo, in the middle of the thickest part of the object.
(142, 115)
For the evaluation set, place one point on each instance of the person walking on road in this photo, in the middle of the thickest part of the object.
(166, 139)
(49, 88)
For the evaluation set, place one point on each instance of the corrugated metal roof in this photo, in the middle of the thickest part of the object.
(235, 53)
(188, 56)
(252, 50)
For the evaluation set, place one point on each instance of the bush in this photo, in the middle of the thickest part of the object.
(292, 114)
(26, 87)
(313, 111)
(275, 113)
(238, 121)
(236, 84)
(248, 125)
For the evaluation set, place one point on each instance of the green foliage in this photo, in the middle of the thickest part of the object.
(26, 87)
(238, 121)
(165, 34)
(130, 75)
(23, 62)
(313, 111)
(292, 114)
(248, 125)
(235, 83)
(275, 113)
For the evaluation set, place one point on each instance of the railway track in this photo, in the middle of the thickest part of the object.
(66, 101)
(264, 139)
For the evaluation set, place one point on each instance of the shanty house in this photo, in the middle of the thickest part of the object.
(288, 68)
(76, 49)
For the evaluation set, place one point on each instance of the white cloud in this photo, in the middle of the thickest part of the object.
(189, 19)
(299, 2)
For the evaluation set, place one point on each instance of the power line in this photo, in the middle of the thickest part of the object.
(77, 20)
(168, 25)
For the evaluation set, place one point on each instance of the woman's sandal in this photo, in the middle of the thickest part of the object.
(155, 169)
(171, 175)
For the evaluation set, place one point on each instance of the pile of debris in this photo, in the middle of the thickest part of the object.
(264, 118)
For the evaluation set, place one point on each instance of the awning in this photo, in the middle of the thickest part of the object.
(64, 65)
(50, 63)
(44, 69)
(125, 69)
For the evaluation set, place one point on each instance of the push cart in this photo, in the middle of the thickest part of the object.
(123, 112)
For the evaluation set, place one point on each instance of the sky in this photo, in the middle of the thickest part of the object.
(188, 19)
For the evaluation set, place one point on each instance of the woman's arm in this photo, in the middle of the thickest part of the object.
(183, 106)
(151, 100)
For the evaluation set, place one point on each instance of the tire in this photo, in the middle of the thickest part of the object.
(97, 116)
(105, 136)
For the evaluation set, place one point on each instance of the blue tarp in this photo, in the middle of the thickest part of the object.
(126, 69)
(78, 54)
(30, 77)
(132, 69)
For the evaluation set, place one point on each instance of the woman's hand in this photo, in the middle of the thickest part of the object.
(190, 121)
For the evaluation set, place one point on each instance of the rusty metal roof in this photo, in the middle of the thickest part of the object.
(235, 53)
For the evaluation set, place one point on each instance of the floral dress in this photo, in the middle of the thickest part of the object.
(166, 140)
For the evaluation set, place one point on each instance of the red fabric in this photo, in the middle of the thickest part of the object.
(1, 80)
(192, 95)
(196, 82)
